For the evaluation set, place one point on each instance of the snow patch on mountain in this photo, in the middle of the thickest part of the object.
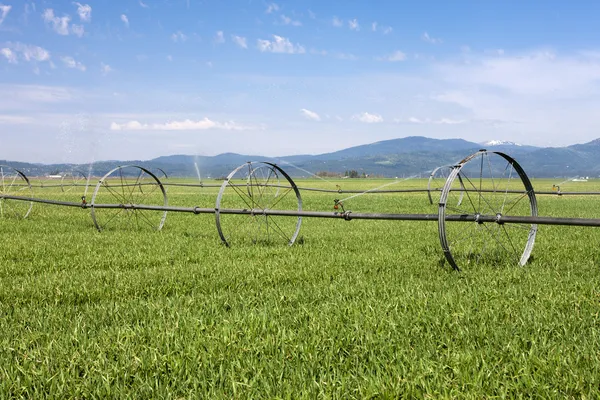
(501, 143)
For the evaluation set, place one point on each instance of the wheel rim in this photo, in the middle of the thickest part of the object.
(257, 187)
(72, 180)
(493, 184)
(127, 185)
(436, 183)
(14, 183)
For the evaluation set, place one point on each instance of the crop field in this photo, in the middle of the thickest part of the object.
(354, 309)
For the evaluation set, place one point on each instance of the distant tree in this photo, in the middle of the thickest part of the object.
(328, 174)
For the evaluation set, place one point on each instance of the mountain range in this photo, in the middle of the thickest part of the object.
(390, 158)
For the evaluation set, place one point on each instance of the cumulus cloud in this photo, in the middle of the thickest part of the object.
(15, 51)
(71, 63)
(4, 10)
(84, 11)
(60, 25)
(125, 20)
(219, 37)
(9, 55)
(178, 37)
(185, 125)
(425, 37)
(395, 56)
(375, 27)
(240, 41)
(338, 23)
(288, 21)
(310, 114)
(77, 30)
(272, 8)
(368, 118)
(280, 45)
(353, 24)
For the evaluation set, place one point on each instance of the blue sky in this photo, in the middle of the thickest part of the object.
(131, 79)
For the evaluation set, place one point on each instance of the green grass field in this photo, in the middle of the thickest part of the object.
(355, 309)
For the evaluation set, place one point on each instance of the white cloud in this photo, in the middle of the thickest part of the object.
(345, 56)
(26, 52)
(4, 10)
(311, 14)
(105, 69)
(59, 24)
(240, 41)
(142, 4)
(271, 8)
(219, 37)
(441, 121)
(170, 57)
(538, 73)
(310, 114)
(288, 21)
(185, 125)
(280, 45)
(425, 37)
(125, 20)
(178, 37)
(9, 55)
(71, 63)
(375, 27)
(77, 30)
(338, 23)
(395, 56)
(368, 118)
(84, 11)
(353, 24)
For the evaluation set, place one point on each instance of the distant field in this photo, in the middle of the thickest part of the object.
(355, 309)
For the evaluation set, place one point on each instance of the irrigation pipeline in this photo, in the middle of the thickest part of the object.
(340, 191)
(347, 215)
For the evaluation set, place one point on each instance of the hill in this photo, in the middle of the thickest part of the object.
(397, 157)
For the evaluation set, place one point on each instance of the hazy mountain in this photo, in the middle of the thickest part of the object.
(400, 146)
(397, 157)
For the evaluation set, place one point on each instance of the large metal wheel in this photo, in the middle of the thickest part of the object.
(436, 183)
(255, 188)
(495, 185)
(14, 183)
(71, 181)
(126, 186)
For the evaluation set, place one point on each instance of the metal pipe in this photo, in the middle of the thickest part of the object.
(501, 219)
(341, 191)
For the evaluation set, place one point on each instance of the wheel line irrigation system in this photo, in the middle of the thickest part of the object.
(487, 206)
